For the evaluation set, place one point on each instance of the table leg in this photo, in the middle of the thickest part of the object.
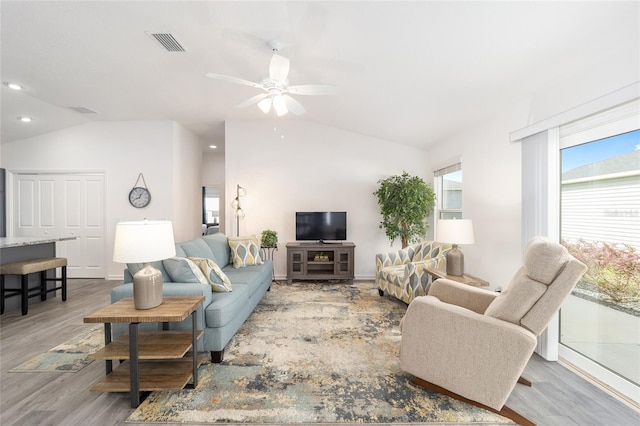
(194, 349)
(107, 340)
(133, 363)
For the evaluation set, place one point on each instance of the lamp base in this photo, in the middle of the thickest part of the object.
(147, 287)
(455, 262)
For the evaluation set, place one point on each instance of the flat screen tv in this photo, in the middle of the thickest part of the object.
(321, 226)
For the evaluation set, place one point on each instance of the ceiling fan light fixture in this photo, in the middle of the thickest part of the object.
(265, 105)
(280, 106)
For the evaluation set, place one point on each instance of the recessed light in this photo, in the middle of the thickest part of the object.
(25, 119)
(13, 86)
(212, 146)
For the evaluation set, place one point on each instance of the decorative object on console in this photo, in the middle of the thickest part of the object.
(235, 204)
(144, 242)
(454, 232)
(405, 202)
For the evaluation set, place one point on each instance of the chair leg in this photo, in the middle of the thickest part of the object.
(24, 296)
(1, 294)
(524, 381)
(64, 283)
(43, 285)
(505, 411)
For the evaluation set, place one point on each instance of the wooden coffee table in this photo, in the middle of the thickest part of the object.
(155, 360)
(464, 279)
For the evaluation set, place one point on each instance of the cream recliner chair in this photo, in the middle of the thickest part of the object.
(473, 344)
(402, 273)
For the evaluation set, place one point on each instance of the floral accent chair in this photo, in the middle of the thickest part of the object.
(403, 274)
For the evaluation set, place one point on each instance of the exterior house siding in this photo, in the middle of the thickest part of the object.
(602, 209)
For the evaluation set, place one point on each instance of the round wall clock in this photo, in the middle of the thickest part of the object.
(139, 197)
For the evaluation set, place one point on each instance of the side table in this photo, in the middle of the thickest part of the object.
(135, 375)
(464, 279)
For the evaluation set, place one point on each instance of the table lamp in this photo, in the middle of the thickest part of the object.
(455, 231)
(145, 242)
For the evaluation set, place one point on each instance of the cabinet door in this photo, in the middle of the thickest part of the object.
(296, 264)
(344, 263)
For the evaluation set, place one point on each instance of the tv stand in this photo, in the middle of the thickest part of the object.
(320, 261)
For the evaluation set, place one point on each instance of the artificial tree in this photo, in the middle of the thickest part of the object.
(405, 203)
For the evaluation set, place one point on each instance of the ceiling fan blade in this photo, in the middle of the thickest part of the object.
(293, 105)
(234, 80)
(252, 100)
(278, 68)
(314, 89)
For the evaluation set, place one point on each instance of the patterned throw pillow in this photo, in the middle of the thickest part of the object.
(245, 251)
(217, 279)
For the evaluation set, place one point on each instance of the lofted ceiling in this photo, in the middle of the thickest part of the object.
(409, 72)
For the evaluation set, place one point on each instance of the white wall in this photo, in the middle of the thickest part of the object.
(309, 167)
(213, 175)
(492, 166)
(120, 150)
(186, 187)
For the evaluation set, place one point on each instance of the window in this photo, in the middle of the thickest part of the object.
(448, 183)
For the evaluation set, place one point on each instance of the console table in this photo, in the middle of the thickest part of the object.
(135, 376)
(320, 261)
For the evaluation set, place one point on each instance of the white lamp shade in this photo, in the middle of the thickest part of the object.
(143, 241)
(455, 231)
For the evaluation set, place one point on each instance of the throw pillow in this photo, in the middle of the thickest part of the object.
(217, 279)
(245, 251)
(182, 270)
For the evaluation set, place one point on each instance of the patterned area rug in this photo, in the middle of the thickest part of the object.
(312, 353)
(69, 357)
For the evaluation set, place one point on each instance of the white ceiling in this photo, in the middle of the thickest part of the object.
(409, 72)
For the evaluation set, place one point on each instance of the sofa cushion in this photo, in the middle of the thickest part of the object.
(217, 279)
(197, 248)
(245, 251)
(135, 267)
(252, 275)
(225, 306)
(179, 251)
(183, 270)
(219, 245)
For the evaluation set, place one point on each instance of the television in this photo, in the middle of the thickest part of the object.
(321, 226)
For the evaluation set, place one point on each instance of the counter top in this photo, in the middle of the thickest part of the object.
(6, 242)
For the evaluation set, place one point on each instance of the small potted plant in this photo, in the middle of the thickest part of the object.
(269, 239)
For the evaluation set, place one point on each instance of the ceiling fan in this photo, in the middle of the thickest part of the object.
(277, 92)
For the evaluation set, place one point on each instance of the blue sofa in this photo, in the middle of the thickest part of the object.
(222, 313)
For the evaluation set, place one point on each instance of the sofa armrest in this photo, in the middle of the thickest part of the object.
(455, 293)
(454, 348)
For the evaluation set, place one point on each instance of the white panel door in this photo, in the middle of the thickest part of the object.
(52, 204)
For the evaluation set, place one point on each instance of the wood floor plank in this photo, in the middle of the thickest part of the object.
(558, 395)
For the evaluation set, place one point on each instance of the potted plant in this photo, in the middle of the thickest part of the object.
(405, 203)
(269, 238)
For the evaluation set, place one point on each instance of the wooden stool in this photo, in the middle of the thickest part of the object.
(30, 267)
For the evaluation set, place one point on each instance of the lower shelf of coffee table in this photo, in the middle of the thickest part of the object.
(154, 376)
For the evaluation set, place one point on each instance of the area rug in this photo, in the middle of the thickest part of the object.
(69, 357)
(312, 353)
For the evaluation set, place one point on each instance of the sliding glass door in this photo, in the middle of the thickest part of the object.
(600, 225)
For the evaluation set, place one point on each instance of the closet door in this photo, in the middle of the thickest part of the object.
(60, 204)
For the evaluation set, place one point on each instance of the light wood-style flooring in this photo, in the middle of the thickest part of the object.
(558, 396)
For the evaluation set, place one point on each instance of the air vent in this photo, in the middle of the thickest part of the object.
(168, 41)
(82, 110)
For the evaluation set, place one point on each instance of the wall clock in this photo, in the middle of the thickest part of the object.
(139, 196)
